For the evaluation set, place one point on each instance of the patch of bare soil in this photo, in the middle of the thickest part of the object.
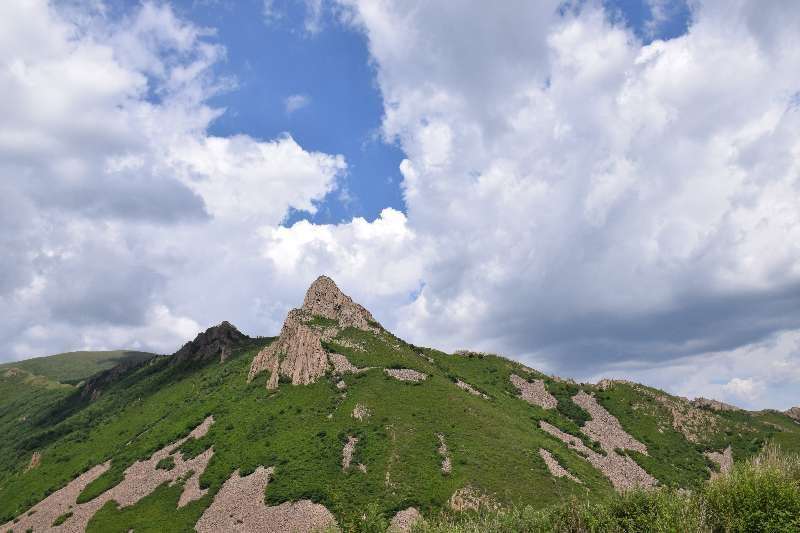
(360, 412)
(724, 460)
(447, 465)
(534, 392)
(554, 467)
(405, 374)
(623, 472)
(470, 389)
(239, 506)
(405, 520)
(471, 499)
(141, 479)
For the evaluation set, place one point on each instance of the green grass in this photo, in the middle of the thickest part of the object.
(300, 431)
(61, 519)
(759, 495)
(73, 367)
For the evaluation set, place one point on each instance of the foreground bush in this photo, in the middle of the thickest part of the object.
(760, 495)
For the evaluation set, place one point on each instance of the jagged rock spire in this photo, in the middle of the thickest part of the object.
(324, 298)
(298, 353)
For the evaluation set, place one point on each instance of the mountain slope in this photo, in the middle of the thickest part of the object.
(73, 367)
(337, 419)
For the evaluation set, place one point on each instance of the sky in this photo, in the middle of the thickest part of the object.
(598, 189)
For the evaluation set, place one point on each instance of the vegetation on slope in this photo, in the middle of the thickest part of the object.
(300, 430)
(73, 367)
(762, 494)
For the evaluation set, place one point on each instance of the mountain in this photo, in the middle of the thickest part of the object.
(73, 367)
(338, 421)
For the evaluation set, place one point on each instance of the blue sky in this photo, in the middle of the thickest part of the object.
(273, 56)
(597, 188)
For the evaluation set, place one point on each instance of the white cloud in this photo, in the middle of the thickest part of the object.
(594, 202)
(121, 216)
(296, 102)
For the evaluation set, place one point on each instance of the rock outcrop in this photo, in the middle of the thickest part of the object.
(297, 354)
(216, 341)
(713, 405)
(405, 520)
(723, 459)
(793, 413)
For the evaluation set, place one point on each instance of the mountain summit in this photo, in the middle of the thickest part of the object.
(298, 354)
(381, 431)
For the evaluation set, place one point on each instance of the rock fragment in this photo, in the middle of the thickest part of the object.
(534, 392)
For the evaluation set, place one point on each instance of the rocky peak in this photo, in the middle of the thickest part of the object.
(216, 341)
(324, 299)
(298, 354)
(793, 413)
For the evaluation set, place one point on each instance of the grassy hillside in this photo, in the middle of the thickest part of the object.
(762, 494)
(73, 367)
(493, 440)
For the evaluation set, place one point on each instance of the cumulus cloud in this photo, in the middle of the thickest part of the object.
(593, 201)
(118, 208)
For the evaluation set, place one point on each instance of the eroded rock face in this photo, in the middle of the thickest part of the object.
(324, 299)
(793, 413)
(215, 342)
(239, 506)
(298, 354)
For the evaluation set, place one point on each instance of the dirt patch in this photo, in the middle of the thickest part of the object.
(360, 412)
(470, 389)
(724, 460)
(554, 467)
(447, 465)
(405, 374)
(140, 479)
(471, 499)
(534, 392)
(239, 506)
(405, 520)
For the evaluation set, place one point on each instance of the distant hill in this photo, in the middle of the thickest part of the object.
(339, 421)
(73, 367)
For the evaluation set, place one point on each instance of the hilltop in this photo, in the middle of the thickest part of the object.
(73, 367)
(338, 422)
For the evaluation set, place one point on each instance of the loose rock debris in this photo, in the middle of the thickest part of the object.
(447, 465)
(239, 506)
(405, 374)
(405, 520)
(554, 467)
(470, 389)
(534, 392)
(140, 479)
